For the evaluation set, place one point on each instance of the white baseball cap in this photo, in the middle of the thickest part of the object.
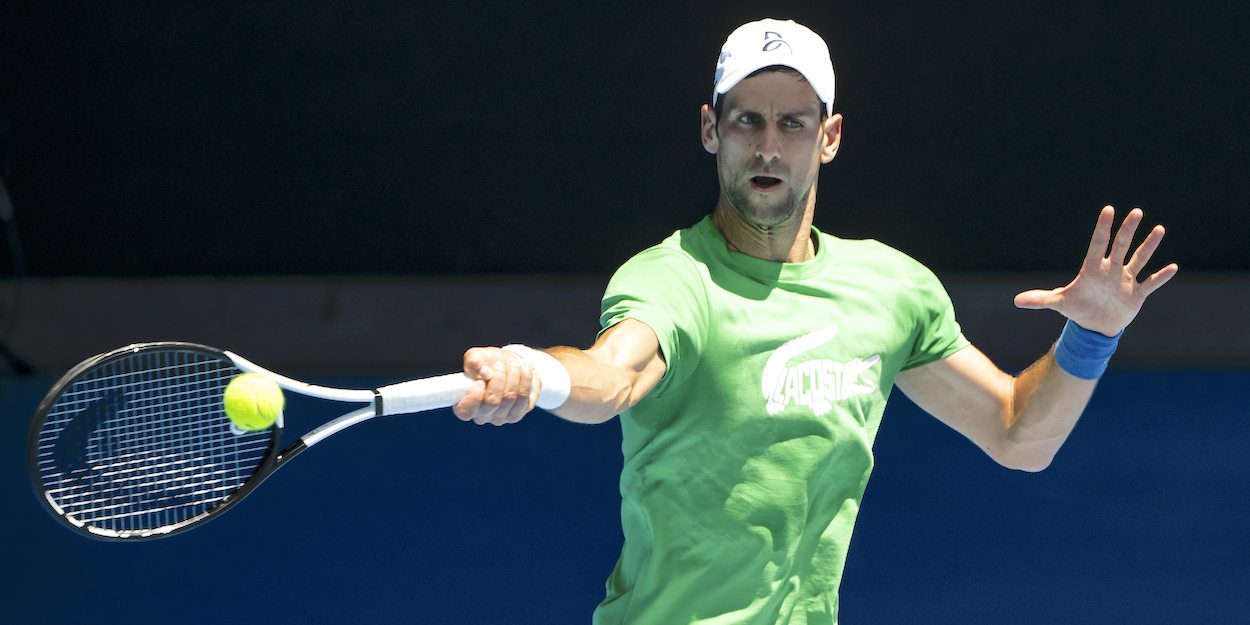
(770, 42)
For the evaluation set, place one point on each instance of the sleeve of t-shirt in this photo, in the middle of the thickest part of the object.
(939, 334)
(663, 289)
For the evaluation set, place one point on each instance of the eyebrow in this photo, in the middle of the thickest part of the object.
(735, 111)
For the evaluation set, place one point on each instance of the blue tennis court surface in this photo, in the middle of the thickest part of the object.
(424, 519)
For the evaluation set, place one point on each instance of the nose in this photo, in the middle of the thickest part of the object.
(769, 147)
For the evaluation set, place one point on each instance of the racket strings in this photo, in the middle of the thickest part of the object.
(143, 443)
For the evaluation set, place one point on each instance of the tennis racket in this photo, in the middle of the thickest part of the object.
(135, 443)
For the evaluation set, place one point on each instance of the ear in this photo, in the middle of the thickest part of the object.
(832, 137)
(707, 129)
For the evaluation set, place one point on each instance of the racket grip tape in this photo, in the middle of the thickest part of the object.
(419, 395)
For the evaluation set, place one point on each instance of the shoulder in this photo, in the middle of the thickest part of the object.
(676, 257)
(665, 288)
(874, 257)
(894, 275)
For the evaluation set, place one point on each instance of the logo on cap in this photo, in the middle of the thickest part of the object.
(773, 41)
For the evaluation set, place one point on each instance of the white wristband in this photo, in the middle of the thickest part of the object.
(555, 378)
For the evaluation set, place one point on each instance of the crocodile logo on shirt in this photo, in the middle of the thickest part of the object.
(817, 382)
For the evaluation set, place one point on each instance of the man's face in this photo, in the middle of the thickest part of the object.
(769, 146)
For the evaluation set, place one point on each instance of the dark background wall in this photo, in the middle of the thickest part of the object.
(190, 137)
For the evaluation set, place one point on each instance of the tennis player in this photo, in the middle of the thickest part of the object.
(750, 357)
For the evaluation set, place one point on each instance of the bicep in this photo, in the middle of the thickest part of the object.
(632, 350)
(966, 392)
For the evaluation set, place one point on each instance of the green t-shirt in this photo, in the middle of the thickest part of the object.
(745, 465)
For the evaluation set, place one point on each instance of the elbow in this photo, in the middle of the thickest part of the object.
(1028, 466)
(1028, 458)
(1016, 448)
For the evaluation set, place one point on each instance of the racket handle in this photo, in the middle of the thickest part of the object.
(425, 394)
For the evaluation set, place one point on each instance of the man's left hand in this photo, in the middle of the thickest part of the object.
(1106, 296)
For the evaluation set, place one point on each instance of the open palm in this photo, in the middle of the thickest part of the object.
(1106, 296)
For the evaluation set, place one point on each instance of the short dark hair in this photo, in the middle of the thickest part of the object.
(719, 106)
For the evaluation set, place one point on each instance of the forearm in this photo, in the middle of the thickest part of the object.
(1020, 421)
(1040, 410)
(587, 386)
(600, 390)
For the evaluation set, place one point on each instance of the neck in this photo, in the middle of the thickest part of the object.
(787, 242)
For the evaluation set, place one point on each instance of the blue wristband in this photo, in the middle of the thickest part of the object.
(1084, 353)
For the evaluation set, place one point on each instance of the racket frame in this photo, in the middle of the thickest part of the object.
(273, 459)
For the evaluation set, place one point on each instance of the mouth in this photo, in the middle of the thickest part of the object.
(765, 183)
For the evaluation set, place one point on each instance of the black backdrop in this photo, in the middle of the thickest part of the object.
(228, 137)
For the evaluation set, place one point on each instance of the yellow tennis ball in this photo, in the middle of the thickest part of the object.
(253, 401)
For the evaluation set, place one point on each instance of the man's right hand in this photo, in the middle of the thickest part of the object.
(506, 387)
(623, 365)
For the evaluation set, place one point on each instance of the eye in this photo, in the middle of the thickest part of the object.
(792, 124)
(749, 118)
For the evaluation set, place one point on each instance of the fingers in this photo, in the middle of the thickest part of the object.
(502, 393)
(1040, 298)
(1123, 241)
(502, 390)
(1143, 253)
(496, 388)
(1105, 296)
(1158, 279)
(1124, 238)
(526, 397)
(1102, 236)
(1145, 250)
(467, 407)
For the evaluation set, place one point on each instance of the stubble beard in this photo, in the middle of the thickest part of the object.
(760, 214)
